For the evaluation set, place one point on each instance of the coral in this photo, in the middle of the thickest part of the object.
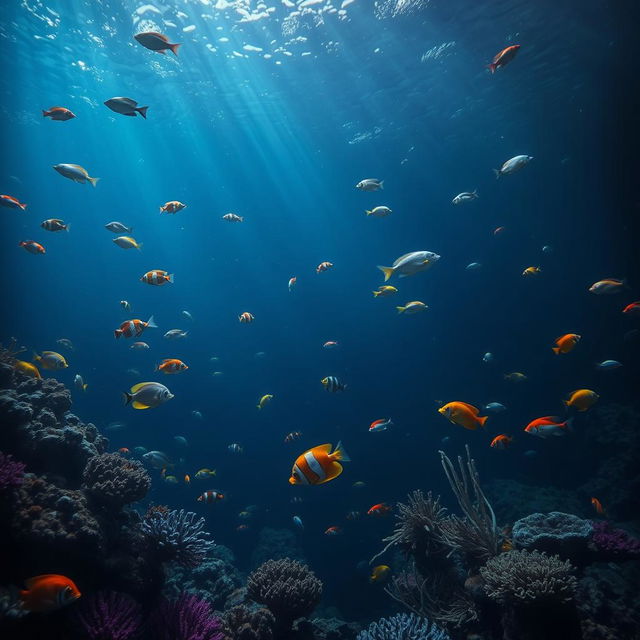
(555, 532)
(108, 615)
(332, 629)
(614, 542)
(275, 544)
(403, 627)
(187, 618)
(244, 623)
(114, 480)
(527, 577)
(177, 536)
(11, 473)
(289, 589)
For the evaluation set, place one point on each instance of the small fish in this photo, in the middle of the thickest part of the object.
(296, 500)
(217, 373)
(384, 290)
(27, 369)
(473, 266)
(608, 365)
(292, 283)
(512, 165)
(125, 304)
(547, 249)
(359, 485)
(50, 360)
(324, 266)
(465, 196)
(548, 426)
(260, 355)
(124, 451)
(181, 441)
(333, 531)
(446, 440)
(531, 271)
(244, 515)
(76, 173)
(187, 315)
(566, 343)
(581, 399)
(380, 573)
(379, 212)
(116, 426)
(204, 474)
(80, 383)
(197, 414)
(297, 521)
(608, 287)
(118, 227)
(157, 42)
(530, 453)
(232, 217)
(59, 114)
(597, 506)
(157, 277)
(498, 230)
(133, 372)
(632, 309)
(487, 357)
(504, 57)
(380, 425)
(246, 318)
(209, 497)
(410, 263)
(330, 344)
(264, 400)
(66, 343)
(187, 479)
(171, 365)
(381, 509)
(127, 242)
(515, 376)
(370, 184)
(48, 592)
(318, 465)
(11, 203)
(126, 107)
(332, 384)
(147, 395)
(463, 414)
(412, 307)
(501, 442)
(235, 448)
(134, 328)
(293, 436)
(171, 480)
(494, 407)
(173, 206)
(242, 527)
(54, 224)
(157, 459)
(32, 247)
(139, 346)
(175, 334)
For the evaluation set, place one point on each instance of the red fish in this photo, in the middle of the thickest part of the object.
(12, 203)
(32, 246)
(124, 451)
(503, 58)
(135, 327)
(548, 426)
(48, 592)
(597, 505)
(58, 113)
(171, 365)
(173, 206)
(501, 441)
(381, 509)
(632, 309)
(211, 496)
(333, 531)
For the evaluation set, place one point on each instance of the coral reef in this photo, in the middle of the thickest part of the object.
(187, 618)
(11, 473)
(555, 532)
(613, 542)
(403, 627)
(115, 481)
(245, 623)
(109, 616)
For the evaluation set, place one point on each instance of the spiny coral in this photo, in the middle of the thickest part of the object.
(615, 542)
(403, 627)
(108, 615)
(187, 618)
(244, 623)
(11, 473)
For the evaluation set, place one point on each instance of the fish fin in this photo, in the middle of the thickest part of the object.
(492, 67)
(127, 398)
(497, 172)
(137, 387)
(325, 448)
(44, 113)
(131, 115)
(170, 278)
(93, 181)
(475, 193)
(368, 212)
(138, 405)
(482, 420)
(555, 350)
(36, 357)
(376, 294)
(151, 323)
(382, 184)
(67, 227)
(174, 48)
(332, 472)
(388, 271)
(31, 582)
(259, 407)
(142, 111)
(84, 386)
(138, 245)
(401, 309)
(117, 333)
(340, 453)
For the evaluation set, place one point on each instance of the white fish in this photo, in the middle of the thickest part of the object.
(127, 242)
(547, 249)
(187, 315)
(410, 264)
(126, 107)
(487, 357)
(370, 184)
(495, 407)
(139, 346)
(80, 383)
(181, 440)
(156, 459)
(379, 212)
(512, 165)
(175, 334)
(472, 266)
(196, 414)
(118, 227)
(608, 365)
(115, 426)
(147, 395)
(125, 304)
(465, 196)
(297, 520)
(65, 342)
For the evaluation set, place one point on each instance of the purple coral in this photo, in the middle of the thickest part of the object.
(617, 542)
(11, 472)
(109, 615)
(187, 618)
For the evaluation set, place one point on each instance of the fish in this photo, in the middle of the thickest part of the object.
(504, 57)
(50, 360)
(157, 459)
(125, 304)
(48, 592)
(32, 247)
(608, 286)
(139, 346)
(548, 426)
(147, 395)
(487, 357)
(463, 414)
(608, 365)
(531, 271)
(124, 451)
(197, 414)
(118, 227)
(126, 107)
(296, 500)
(530, 453)
(134, 328)
(187, 315)
(204, 474)
(581, 399)
(76, 173)
(333, 531)
(501, 442)
(242, 527)
(116, 426)
(157, 277)
(324, 266)
(294, 435)
(547, 249)
(473, 266)
(127, 242)
(597, 506)
(512, 165)
(65, 342)
(498, 230)
(381, 509)
(566, 343)
(246, 318)
(446, 440)
(259, 355)
(133, 372)
(27, 369)
(515, 376)
(155, 41)
(235, 448)
(54, 224)
(410, 263)
(632, 308)
(465, 196)
(209, 497)
(173, 206)
(318, 465)
(244, 515)
(384, 290)
(378, 212)
(359, 484)
(12, 203)
(330, 344)
(171, 480)
(264, 400)
(292, 283)
(380, 573)
(494, 407)
(297, 521)
(80, 383)
(217, 373)
(187, 479)
(370, 184)
(232, 217)
(353, 515)
(175, 334)
(59, 114)
(332, 384)
(413, 307)
(380, 425)
(171, 365)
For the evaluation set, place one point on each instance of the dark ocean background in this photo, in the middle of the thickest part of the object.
(283, 146)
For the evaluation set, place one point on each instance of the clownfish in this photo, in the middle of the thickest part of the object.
(318, 465)
(210, 496)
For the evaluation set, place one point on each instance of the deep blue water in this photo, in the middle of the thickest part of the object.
(282, 141)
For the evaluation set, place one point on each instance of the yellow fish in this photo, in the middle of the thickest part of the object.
(51, 360)
(264, 400)
(385, 290)
(531, 271)
(413, 307)
(380, 573)
(27, 368)
(582, 399)
(203, 474)
(516, 376)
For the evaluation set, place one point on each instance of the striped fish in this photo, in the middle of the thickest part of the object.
(157, 277)
(318, 465)
(332, 384)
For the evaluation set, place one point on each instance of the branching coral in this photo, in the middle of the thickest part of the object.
(110, 616)
(11, 473)
(187, 618)
(177, 536)
(403, 627)
(526, 577)
(114, 480)
(243, 623)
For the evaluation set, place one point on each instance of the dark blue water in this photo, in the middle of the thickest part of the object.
(282, 141)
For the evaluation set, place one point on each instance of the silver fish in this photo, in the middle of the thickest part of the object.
(147, 395)
(156, 459)
(118, 227)
(465, 196)
(76, 173)
(175, 334)
(512, 165)
(370, 184)
(410, 264)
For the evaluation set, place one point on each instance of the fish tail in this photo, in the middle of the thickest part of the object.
(388, 271)
(375, 294)
(482, 420)
(174, 49)
(382, 184)
(67, 227)
(93, 181)
(368, 211)
(401, 309)
(36, 357)
(568, 424)
(492, 67)
(555, 350)
(127, 397)
(151, 323)
(142, 111)
(241, 218)
(475, 193)
(497, 172)
(170, 278)
(162, 209)
(84, 386)
(117, 333)
(138, 245)
(340, 453)
(259, 407)
(45, 113)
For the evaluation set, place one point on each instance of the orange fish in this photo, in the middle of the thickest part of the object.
(246, 317)
(318, 465)
(48, 592)
(608, 286)
(173, 206)
(171, 365)
(531, 271)
(157, 277)
(211, 496)
(124, 451)
(378, 510)
(32, 246)
(501, 441)
(135, 327)
(503, 58)
(58, 113)
(187, 479)
(582, 399)
(333, 531)
(12, 203)
(463, 414)
(597, 505)
(566, 343)
(242, 527)
(548, 426)
(633, 308)
(323, 266)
